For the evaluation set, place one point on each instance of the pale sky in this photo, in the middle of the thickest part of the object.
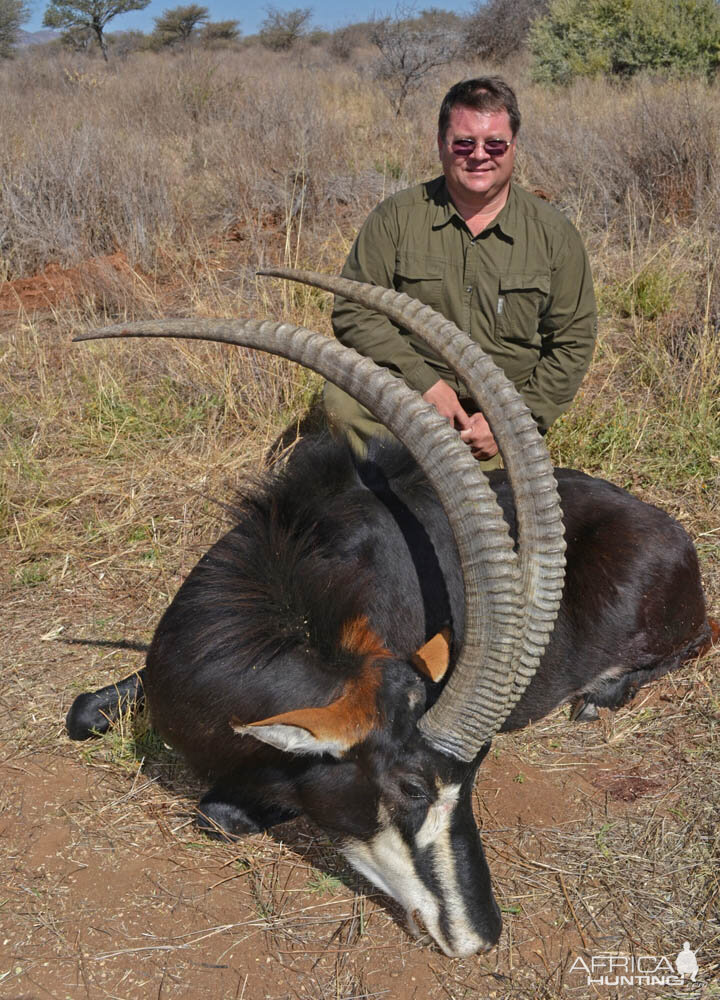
(326, 13)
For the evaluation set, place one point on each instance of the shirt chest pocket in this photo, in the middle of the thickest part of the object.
(421, 278)
(522, 299)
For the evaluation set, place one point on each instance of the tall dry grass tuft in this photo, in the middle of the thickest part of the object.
(649, 415)
(137, 156)
(607, 153)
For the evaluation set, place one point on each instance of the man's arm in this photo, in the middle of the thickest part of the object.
(372, 259)
(568, 329)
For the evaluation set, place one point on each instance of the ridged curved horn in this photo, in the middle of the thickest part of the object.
(491, 574)
(539, 517)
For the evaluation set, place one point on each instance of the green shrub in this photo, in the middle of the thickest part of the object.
(649, 294)
(624, 37)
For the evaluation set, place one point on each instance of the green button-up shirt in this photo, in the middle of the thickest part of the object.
(521, 289)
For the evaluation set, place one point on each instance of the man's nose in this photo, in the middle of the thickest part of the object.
(479, 153)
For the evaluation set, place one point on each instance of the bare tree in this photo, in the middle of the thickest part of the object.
(92, 14)
(410, 49)
(282, 28)
(178, 24)
(13, 14)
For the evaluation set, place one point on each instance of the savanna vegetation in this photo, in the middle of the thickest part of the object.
(13, 14)
(156, 185)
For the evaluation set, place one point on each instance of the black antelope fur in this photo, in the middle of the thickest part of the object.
(306, 616)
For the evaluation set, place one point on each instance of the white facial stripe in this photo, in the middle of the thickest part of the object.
(387, 861)
(465, 940)
(438, 817)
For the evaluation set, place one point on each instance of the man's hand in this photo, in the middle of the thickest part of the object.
(480, 438)
(445, 401)
(474, 430)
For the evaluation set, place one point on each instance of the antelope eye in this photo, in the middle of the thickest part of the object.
(414, 788)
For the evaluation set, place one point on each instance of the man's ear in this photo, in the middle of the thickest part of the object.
(433, 659)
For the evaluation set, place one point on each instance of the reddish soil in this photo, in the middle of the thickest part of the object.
(118, 896)
(108, 891)
(55, 284)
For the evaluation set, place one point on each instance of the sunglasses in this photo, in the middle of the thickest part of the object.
(493, 147)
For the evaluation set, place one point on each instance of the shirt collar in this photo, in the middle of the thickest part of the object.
(505, 220)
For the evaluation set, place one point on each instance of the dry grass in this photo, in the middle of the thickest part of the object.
(600, 837)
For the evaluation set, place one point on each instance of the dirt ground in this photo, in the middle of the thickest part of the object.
(108, 891)
(601, 838)
(55, 285)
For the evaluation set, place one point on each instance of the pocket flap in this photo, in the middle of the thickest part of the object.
(417, 267)
(523, 281)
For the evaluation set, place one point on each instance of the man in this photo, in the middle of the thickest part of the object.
(500, 263)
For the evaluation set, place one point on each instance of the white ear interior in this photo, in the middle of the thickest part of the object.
(292, 739)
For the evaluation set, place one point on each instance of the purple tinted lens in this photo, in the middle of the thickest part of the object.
(492, 147)
(496, 147)
(463, 146)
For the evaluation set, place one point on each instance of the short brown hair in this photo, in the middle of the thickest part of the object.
(482, 93)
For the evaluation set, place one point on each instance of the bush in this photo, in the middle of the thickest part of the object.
(79, 38)
(281, 29)
(344, 41)
(498, 28)
(82, 189)
(215, 34)
(123, 43)
(176, 26)
(623, 37)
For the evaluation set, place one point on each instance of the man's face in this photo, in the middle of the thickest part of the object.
(476, 177)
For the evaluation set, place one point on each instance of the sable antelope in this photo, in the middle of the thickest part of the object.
(351, 646)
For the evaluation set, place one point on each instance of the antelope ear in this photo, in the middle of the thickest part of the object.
(433, 658)
(334, 728)
(290, 737)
